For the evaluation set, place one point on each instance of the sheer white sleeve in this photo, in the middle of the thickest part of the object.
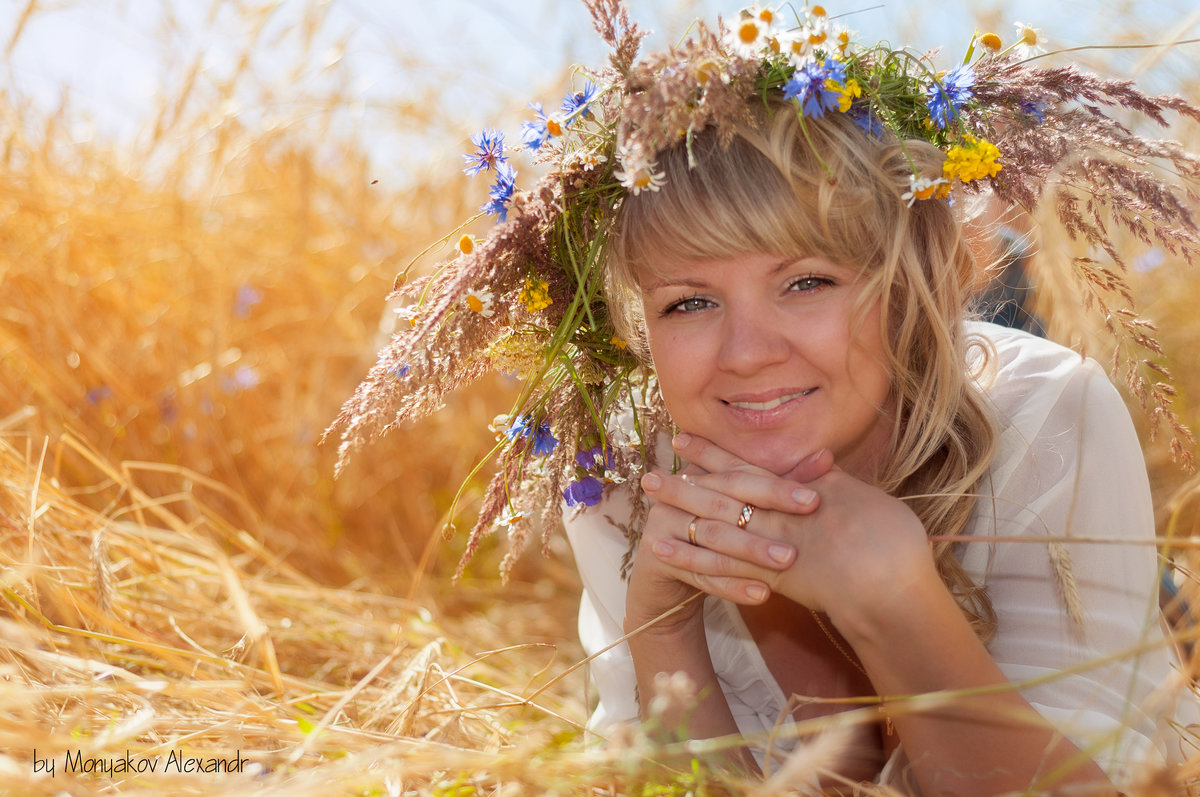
(1073, 571)
(599, 546)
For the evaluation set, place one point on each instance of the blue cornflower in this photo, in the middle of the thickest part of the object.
(98, 394)
(594, 456)
(167, 407)
(522, 426)
(488, 154)
(538, 132)
(247, 297)
(587, 491)
(869, 123)
(946, 99)
(243, 378)
(534, 134)
(808, 87)
(1034, 109)
(574, 106)
(544, 440)
(501, 191)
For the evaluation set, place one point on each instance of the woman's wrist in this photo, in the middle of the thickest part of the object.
(891, 607)
(686, 621)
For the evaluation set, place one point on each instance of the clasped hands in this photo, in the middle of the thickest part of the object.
(818, 536)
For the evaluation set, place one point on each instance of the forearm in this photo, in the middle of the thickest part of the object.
(685, 650)
(984, 737)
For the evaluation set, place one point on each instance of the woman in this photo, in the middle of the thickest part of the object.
(797, 473)
(795, 320)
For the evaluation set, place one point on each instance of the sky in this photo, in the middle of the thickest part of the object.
(113, 61)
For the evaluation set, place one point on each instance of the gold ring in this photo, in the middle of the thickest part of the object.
(692, 531)
(744, 518)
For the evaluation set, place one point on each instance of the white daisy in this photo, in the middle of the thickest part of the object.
(1030, 40)
(637, 172)
(509, 518)
(407, 314)
(747, 35)
(639, 180)
(480, 302)
(921, 188)
(590, 160)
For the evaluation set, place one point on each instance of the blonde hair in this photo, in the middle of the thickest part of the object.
(824, 187)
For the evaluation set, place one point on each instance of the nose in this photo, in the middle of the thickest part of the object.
(752, 340)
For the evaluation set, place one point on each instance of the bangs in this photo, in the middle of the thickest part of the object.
(724, 201)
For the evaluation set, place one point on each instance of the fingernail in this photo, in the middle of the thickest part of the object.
(682, 439)
(813, 457)
(803, 496)
(780, 553)
(756, 592)
(651, 481)
(663, 548)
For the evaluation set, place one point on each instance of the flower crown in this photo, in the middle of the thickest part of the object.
(528, 299)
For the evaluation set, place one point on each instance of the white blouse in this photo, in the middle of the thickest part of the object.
(1068, 465)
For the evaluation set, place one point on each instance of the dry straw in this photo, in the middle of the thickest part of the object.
(180, 574)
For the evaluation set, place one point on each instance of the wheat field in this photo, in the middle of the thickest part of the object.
(192, 604)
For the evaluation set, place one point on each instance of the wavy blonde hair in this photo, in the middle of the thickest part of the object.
(824, 187)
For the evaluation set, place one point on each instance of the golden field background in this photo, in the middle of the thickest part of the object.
(182, 314)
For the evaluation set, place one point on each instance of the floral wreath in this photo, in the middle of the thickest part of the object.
(528, 299)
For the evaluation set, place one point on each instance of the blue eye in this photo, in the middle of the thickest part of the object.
(688, 305)
(809, 284)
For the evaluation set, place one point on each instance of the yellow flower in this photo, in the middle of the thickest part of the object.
(847, 93)
(991, 41)
(817, 11)
(536, 295)
(618, 341)
(554, 127)
(466, 244)
(516, 354)
(974, 159)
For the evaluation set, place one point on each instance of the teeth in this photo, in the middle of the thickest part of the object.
(769, 405)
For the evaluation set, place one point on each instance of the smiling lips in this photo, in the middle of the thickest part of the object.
(770, 404)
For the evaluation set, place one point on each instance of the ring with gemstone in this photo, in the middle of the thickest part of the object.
(744, 518)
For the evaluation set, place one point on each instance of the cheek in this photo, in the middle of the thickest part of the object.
(869, 369)
(673, 361)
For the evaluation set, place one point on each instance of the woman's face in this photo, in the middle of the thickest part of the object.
(764, 356)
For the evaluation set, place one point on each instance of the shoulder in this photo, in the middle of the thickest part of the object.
(1054, 409)
(1027, 379)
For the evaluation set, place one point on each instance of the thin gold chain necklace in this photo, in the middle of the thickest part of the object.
(833, 640)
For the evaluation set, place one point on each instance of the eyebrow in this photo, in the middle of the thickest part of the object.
(690, 282)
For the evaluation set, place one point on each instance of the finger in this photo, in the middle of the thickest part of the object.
(712, 458)
(724, 540)
(708, 455)
(764, 492)
(722, 496)
(812, 467)
(713, 573)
